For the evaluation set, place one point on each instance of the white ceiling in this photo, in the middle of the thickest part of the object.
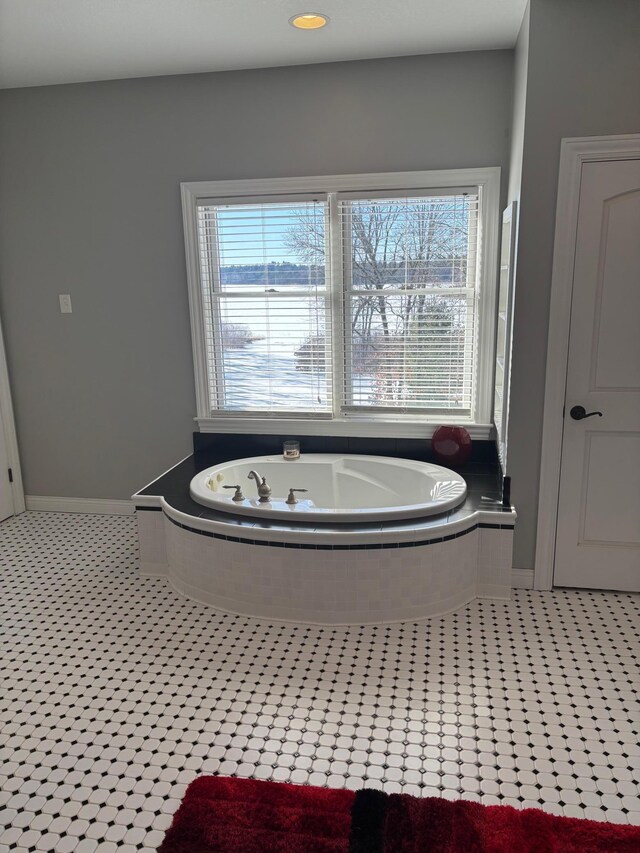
(64, 41)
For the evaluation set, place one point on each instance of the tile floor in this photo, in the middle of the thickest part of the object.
(115, 693)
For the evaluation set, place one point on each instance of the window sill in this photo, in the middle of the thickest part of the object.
(356, 427)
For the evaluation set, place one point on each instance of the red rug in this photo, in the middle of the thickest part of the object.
(250, 816)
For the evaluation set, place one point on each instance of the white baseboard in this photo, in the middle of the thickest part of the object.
(151, 569)
(494, 590)
(44, 503)
(522, 578)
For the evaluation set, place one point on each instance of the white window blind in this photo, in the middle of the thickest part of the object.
(410, 290)
(342, 304)
(265, 303)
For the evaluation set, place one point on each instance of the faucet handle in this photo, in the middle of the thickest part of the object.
(264, 491)
(292, 499)
(238, 496)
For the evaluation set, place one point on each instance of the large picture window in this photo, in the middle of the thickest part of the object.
(348, 304)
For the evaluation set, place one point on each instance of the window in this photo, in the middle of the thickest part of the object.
(353, 300)
(266, 297)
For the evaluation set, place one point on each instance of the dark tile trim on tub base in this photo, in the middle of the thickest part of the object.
(314, 547)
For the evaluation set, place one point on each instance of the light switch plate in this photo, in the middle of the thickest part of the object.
(65, 303)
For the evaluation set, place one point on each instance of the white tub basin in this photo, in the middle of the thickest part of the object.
(339, 488)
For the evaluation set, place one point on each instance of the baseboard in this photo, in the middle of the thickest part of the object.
(44, 503)
(522, 578)
(494, 590)
(151, 569)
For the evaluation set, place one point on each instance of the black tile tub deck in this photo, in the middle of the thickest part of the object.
(482, 472)
(240, 446)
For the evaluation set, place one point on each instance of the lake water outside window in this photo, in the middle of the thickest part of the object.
(337, 304)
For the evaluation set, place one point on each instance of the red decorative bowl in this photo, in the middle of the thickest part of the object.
(451, 445)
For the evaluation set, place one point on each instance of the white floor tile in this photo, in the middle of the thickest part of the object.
(117, 693)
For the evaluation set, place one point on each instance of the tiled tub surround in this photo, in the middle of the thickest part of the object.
(340, 574)
(356, 584)
(117, 692)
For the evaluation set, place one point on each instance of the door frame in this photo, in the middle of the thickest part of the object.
(574, 152)
(10, 437)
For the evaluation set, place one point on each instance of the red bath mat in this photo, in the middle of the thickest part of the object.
(250, 816)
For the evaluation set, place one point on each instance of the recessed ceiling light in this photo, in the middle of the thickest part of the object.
(309, 21)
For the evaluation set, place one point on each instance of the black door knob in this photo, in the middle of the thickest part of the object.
(579, 413)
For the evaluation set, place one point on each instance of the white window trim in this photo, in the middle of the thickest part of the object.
(486, 179)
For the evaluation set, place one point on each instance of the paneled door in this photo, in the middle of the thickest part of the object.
(6, 496)
(598, 529)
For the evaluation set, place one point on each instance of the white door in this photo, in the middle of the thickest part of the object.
(598, 532)
(6, 497)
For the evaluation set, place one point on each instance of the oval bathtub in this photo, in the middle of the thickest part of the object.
(339, 488)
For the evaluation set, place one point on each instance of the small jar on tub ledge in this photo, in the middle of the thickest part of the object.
(291, 450)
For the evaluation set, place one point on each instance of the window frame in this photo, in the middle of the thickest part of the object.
(487, 180)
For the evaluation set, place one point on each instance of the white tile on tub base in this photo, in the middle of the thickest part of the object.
(342, 617)
(334, 587)
(151, 542)
(495, 562)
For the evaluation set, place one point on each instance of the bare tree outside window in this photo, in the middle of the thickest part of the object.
(406, 265)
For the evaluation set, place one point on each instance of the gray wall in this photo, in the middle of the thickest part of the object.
(90, 206)
(584, 80)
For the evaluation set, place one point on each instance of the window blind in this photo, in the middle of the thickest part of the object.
(410, 273)
(341, 305)
(266, 307)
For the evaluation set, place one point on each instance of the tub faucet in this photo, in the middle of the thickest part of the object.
(264, 490)
(292, 499)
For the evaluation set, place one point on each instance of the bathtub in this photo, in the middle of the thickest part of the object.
(339, 488)
(405, 555)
